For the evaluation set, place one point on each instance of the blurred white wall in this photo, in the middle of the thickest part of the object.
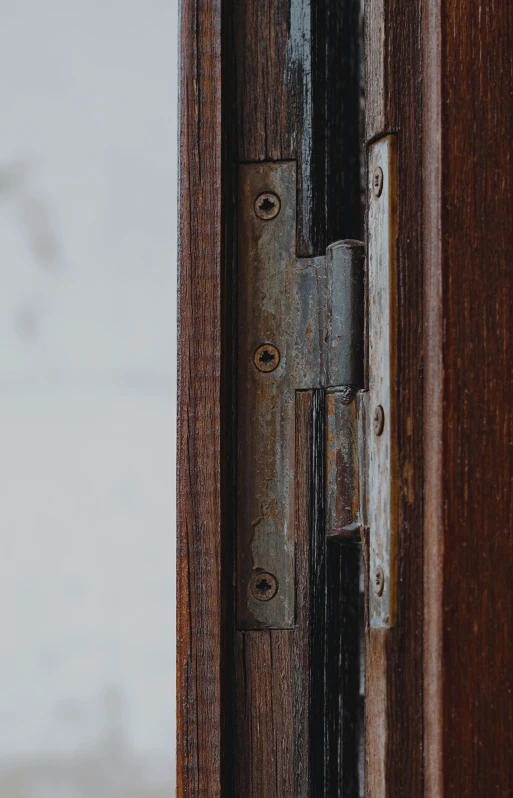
(87, 389)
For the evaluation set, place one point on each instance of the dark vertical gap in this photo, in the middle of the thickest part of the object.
(344, 213)
(343, 669)
(228, 398)
(361, 691)
(318, 606)
(337, 187)
(361, 119)
(335, 700)
(336, 211)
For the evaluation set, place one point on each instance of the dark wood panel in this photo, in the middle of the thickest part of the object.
(199, 608)
(473, 607)
(394, 660)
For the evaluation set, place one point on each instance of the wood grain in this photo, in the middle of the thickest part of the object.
(199, 600)
(297, 75)
(298, 98)
(298, 690)
(395, 659)
(469, 296)
(261, 80)
(274, 668)
(440, 81)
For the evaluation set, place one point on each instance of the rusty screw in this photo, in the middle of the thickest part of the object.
(379, 581)
(267, 206)
(379, 420)
(377, 181)
(263, 586)
(266, 357)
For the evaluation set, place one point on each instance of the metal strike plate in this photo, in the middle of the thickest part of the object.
(292, 335)
(379, 424)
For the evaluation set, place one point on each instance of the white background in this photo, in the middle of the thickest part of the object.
(87, 390)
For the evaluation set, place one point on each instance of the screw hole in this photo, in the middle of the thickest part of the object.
(263, 586)
(267, 206)
(266, 358)
(377, 182)
(379, 420)
(379, 581)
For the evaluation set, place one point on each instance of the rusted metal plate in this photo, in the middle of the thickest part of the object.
(380, 472)
(278, 312)
(343, 518)
(295, 332)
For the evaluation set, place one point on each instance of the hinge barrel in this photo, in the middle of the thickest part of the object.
(345, 323)
(345, 274)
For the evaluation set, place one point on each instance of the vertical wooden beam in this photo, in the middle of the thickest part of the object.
(297, 72)
(469, 385)
(394, 665)
(297, 69)
(250, 701)
(199, 554)
(440, 80)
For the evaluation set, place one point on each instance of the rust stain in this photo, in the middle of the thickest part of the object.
(408, 482)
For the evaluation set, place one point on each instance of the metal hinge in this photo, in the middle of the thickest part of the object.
(301, 327)
(379, 473)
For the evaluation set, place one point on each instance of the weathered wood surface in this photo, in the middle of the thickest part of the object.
(274, 667)
(199, 606)
(394, 664)
(298, 98)
(253, 707)
(469, 389)
(440, 79)
(298, 690)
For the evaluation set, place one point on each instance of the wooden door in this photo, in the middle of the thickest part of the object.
(272, 111)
